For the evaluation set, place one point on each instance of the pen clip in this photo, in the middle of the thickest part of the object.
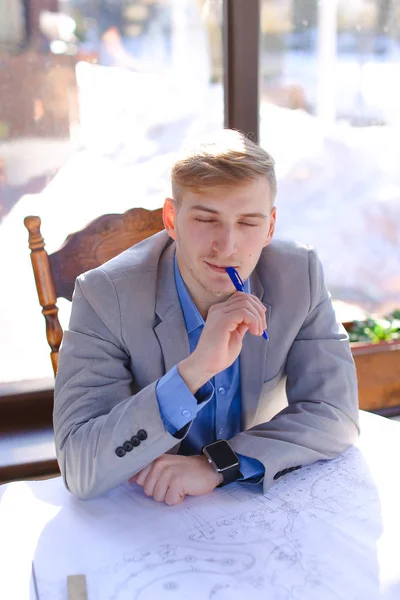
(235, 278)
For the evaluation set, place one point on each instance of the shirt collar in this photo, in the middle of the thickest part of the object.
(193, 318)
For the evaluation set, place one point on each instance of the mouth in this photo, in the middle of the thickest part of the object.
(219, 268)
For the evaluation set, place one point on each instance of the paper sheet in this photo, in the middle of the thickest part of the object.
(323, 532)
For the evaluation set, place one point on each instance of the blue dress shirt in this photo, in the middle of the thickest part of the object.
(215, 411)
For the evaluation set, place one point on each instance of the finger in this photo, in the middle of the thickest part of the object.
(244, 315)
(161, 487)
(155, 474)
(257, 305)
(250, 303)
(242, 329)
(243, 297)
(140, 477)
(261, 310)
(175, 495)
(260, 307)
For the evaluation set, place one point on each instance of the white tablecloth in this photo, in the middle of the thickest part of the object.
(325, 532)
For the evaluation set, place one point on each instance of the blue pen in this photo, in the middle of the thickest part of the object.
(239, 285)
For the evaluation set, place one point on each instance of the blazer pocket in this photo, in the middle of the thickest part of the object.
(273, 398)
(269, 384)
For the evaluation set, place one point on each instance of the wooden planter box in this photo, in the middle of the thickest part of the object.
(378, 373)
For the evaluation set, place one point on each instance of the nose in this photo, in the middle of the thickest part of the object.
(225, 243)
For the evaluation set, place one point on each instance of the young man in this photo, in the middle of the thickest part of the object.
(164, 375)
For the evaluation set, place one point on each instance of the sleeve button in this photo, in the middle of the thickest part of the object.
(142, 435)
(135, 441)
(127, 446)
(120, 452)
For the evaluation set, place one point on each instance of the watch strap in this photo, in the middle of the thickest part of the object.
(230, 475)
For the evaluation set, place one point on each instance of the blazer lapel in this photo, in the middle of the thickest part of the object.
(171, 330)
(253, 359)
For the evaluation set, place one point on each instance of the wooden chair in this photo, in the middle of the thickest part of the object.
(99, 241)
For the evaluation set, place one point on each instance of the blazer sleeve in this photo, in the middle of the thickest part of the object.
(321, 419)
(97, 410)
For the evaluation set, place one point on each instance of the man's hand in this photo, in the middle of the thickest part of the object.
(170, 477)
(222, 337)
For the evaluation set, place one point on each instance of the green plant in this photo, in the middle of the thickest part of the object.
(376, 330)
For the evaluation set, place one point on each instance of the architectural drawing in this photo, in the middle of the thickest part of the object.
(233, 543)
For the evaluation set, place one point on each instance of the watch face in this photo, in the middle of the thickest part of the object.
(222, 455)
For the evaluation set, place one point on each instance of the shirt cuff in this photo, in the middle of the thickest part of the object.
(178, 406)
(251, 469)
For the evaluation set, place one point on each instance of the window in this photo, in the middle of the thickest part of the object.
(329, 114)
(94, 104)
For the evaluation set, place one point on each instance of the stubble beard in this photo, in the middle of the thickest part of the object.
(214, 292)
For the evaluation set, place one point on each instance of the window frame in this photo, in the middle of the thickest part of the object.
(27, 406)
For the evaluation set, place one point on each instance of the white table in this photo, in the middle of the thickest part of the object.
(326, 532)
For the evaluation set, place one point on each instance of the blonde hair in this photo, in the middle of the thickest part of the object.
(221, 160)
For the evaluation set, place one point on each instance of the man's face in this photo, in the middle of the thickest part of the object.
(216, 229)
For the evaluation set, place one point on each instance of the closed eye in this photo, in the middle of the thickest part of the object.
(214, 221)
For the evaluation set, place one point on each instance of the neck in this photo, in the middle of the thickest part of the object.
(203, 306)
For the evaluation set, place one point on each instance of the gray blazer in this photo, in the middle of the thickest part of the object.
(299, 389)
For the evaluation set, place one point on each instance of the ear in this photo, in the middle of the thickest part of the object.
(169, 213)
(272, 221)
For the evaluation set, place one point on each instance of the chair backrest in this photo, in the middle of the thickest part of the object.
(99, 241)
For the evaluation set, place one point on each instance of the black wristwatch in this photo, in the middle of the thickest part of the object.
(224, 460)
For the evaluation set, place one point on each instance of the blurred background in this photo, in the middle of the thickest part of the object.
(97, 96)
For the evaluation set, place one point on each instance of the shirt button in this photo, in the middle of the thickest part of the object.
(186, 413)
(221, 390)
(220, 431)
